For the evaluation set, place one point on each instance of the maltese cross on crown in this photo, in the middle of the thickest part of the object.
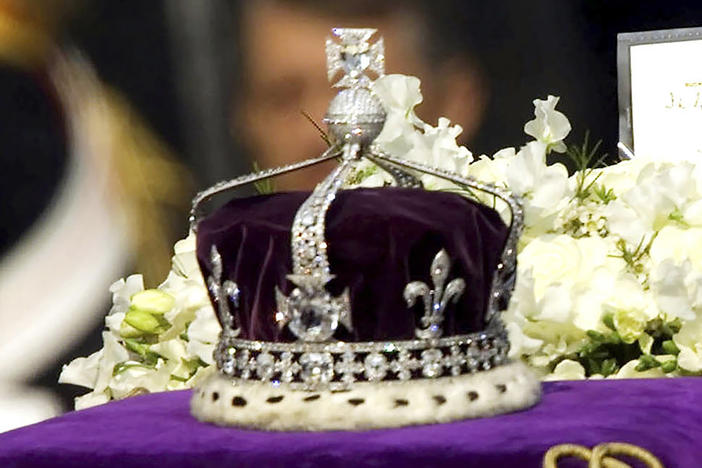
(355, 56)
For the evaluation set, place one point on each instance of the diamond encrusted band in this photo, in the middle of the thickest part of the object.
(337, 365)
(309, 248)
(310, 312)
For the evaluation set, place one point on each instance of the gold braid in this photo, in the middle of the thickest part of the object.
(597, 457)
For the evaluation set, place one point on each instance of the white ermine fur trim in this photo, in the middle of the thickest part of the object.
(252, 404)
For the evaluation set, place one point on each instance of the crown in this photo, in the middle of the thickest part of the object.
(327, 324)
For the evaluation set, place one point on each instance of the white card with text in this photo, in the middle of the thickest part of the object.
(666, 99)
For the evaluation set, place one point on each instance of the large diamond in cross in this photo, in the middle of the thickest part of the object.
(310, 312)
(354, 55)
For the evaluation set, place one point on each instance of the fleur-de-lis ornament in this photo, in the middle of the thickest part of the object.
(224, 294)
(435, 300)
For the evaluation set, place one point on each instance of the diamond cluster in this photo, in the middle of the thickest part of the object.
(354, 56)
(337, 365)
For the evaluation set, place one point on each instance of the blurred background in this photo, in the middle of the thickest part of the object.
(114, 113)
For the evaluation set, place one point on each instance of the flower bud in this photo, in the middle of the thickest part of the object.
(670, 347)
(142, 320)
(628, 325)
(153, 301)
(128, 331)
(669, 366)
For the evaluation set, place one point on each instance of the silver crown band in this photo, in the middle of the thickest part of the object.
(337, 365)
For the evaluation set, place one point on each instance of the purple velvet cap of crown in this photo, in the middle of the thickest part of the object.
(379, 240)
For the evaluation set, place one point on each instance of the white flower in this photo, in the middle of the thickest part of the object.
(630, 304)
(545, 188)
(540, 329)
(493, 169)
(677, 289)
(678, 244)
(437, 147)
(140, 377)
(202, 334)
(628, 371)
(567, 370)
(122, 292)
(405, 135)
(624, 222)
(690, 357)
(520, 343)
(185, 258)
(91, 399)
(619, 177)
(561, 259)
(171, 350)
(368, 174)
(399, 94)
(550, 127)
(661, 192)
(113, 354)
(82, 371)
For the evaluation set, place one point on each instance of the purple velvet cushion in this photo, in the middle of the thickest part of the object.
(663, 416)
(379, 240)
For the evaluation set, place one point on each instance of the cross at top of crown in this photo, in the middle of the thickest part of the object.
(355, 56)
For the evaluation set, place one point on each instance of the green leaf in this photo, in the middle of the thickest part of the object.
(670, 347)
(604, 194)
(147, 356)
(613, 338)
(264, 186)
(609, 367)
(608, 320)
(647, 362)
(674, 326)
(136, 347)
(677, 216)
(585, 158)
(593, 367)
(596, 336)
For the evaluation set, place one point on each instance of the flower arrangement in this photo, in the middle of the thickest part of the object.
(156, 339)
(609, 278)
